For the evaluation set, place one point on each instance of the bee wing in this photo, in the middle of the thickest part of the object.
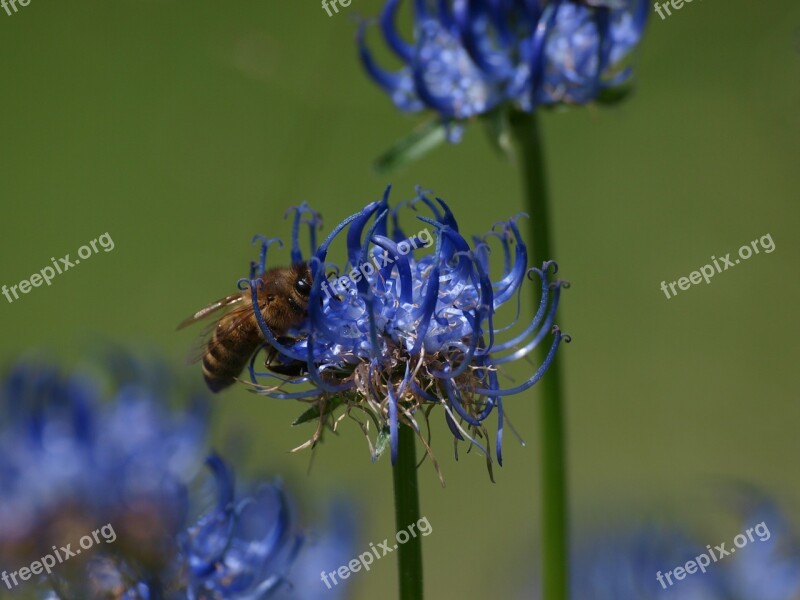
(204, 344)
(212, 308)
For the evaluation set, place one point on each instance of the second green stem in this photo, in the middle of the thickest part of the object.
(554, 523)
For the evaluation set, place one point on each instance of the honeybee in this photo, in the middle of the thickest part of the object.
(283, 301)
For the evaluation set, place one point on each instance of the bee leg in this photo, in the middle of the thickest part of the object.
(294, 368)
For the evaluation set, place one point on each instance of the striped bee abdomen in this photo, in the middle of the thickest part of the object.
(227, 354)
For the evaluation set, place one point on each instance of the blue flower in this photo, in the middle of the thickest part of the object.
(243, 548)
(468, 58)
(409, 324)
(324, 551)
(624, 565)
(639, 562)
(768, 567)
(71, 464)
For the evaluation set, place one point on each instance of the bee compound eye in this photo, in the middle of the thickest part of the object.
(303, 287)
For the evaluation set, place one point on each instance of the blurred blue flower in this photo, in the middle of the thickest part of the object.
(768, 568)
(623, 565)
(244, 547)
(624, 561)
(325, 549)
(70, 463)
(468, 58)
(402, 329)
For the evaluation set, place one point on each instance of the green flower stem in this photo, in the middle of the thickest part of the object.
(406, 510)
(554, 549)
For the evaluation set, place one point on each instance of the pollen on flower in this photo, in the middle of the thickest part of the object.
(416, 332)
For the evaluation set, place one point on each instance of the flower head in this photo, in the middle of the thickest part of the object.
(243, 547)
(68, 460)
(767, 567)
(72, 466)
(468, 58)
(628, 563)
(409, 323)
(667, 559)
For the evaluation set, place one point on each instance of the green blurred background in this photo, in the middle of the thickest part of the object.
(182, 129)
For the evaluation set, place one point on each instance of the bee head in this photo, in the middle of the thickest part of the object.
(302, 284)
